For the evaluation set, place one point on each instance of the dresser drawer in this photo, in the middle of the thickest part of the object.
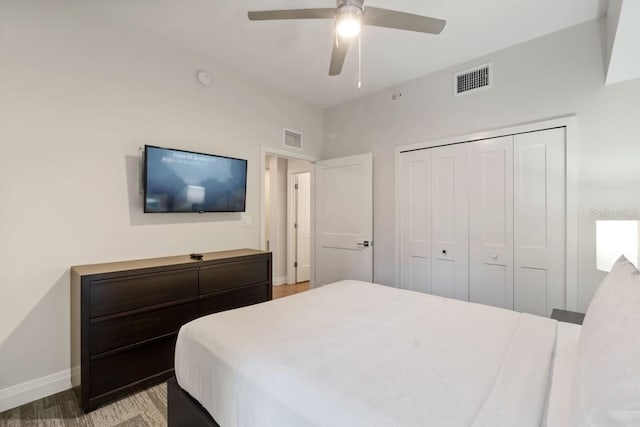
(217, 278)
(234, 299)
(128, 293)
(110, 334)
(121, 369)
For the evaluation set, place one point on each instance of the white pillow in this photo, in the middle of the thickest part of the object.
(604, 305)
(607, 381)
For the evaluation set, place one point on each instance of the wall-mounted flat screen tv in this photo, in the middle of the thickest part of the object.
(185, 181)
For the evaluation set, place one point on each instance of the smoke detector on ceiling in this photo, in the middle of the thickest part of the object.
(204, 78)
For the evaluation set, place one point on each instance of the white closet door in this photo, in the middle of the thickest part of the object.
(450, 221)
(415, 221)
(539, 216)
(491, 222)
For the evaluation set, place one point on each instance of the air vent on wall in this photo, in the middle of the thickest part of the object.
(292, 139)
(472, 80)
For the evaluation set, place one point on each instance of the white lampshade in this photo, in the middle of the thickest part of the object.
(615, 238)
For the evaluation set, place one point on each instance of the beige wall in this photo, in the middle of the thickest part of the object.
(78, 96)
(555, 75)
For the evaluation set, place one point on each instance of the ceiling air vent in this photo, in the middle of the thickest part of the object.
(292, 139)
(472, 80)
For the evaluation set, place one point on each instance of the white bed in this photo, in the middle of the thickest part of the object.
(562, 375)
(358, 354)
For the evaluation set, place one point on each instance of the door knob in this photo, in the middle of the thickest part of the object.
(494, 256)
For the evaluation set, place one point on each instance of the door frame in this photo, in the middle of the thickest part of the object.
(569, 122)
(264, 152)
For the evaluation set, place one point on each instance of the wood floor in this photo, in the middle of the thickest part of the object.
(286, 290)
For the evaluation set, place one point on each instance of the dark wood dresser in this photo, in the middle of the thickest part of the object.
(125, 315)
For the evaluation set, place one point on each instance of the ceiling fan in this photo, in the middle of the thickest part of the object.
(349, 15)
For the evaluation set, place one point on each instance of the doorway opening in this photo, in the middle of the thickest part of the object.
(287, 219)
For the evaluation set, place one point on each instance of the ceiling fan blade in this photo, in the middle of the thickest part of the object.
(377, 17)
(267, 15)
(338, 54)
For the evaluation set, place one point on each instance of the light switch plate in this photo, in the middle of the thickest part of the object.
(246, 220)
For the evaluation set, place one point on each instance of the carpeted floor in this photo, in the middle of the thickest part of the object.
(146, 408)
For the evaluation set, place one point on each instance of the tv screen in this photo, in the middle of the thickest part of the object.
(184, 181)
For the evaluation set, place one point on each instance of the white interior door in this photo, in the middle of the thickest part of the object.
(267, 209)
(303, 226)
(344, 219)
(449, 221)
(491, 222)
(415, 221)
(539, 221)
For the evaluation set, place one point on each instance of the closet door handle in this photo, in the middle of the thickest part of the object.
(363, 244)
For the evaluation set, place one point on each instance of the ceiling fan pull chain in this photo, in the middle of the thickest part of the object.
(359, 61)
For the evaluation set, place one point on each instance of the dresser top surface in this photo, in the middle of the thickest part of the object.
(110, 267)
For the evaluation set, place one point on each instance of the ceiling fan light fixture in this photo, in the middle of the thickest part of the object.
(348, 21)
(348, 16)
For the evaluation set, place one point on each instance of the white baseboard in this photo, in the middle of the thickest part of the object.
(29, 391)
(279, 280)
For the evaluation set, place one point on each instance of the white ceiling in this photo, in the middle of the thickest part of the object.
(294, 55)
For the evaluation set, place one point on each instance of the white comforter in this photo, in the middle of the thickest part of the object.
(358, 354)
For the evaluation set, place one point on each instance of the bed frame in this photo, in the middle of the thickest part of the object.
(183, 410)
